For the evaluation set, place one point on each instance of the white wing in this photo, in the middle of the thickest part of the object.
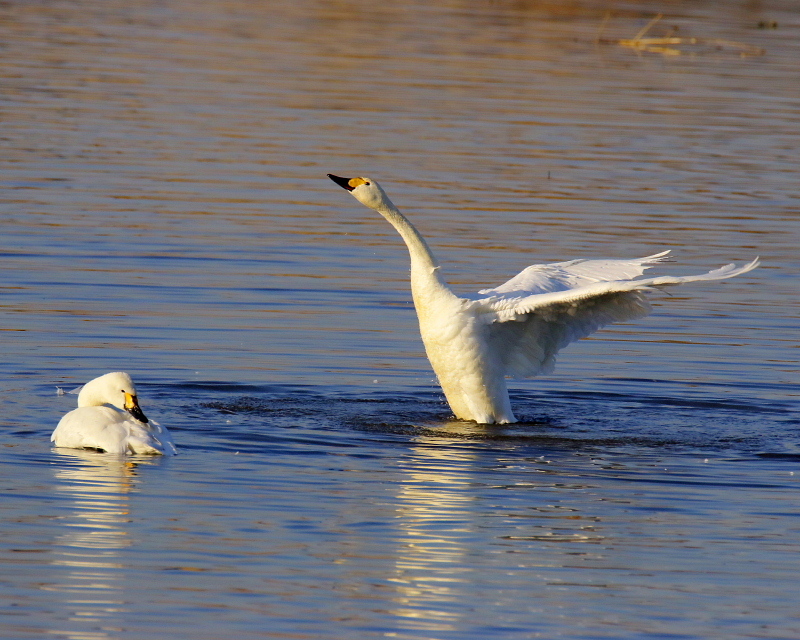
(158, 435)
(546, 307)
(562, 276)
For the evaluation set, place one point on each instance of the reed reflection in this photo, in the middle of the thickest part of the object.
(95, 531)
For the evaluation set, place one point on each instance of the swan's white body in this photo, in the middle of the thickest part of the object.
(108, 418)
(515, 329)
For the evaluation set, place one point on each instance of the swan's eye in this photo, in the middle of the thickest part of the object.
(366, 183)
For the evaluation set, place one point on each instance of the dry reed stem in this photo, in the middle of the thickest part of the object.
(668, 45)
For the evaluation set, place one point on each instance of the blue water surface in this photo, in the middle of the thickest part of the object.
(165, 211)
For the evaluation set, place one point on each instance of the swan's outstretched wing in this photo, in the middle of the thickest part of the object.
(546, 307)
(563, 276)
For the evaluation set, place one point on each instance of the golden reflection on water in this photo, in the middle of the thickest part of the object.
(98, 487)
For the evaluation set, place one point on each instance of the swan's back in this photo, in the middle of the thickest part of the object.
(108, 429)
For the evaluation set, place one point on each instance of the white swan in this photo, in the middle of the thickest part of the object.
(108, 418)
(516, 329)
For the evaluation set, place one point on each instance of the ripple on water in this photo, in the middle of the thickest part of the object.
(549, 419)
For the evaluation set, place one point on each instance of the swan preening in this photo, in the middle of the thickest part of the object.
(109, 418)
(473, 342)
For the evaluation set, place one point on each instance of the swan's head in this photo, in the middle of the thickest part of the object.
(365, 190)
(116, 389)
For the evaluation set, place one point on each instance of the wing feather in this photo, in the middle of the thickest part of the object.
(562, 276)
(527, 327)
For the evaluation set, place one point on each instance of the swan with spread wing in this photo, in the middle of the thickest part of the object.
(474, 342)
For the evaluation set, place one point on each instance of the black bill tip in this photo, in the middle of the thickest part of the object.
(134, 409)
(344, 183)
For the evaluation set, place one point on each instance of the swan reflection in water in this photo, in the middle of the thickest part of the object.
(441, 523)
(96, 487)
(435, 518)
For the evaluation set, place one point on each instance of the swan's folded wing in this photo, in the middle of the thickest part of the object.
(527, 331)
(161, 439)
(99, 427)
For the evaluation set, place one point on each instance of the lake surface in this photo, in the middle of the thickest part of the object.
(165, 211)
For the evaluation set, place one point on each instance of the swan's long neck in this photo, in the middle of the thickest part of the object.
(91, 396)
(426, 280)
(418, 249)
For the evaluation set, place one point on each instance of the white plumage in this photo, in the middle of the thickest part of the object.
(516, 329)
(108, 418)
